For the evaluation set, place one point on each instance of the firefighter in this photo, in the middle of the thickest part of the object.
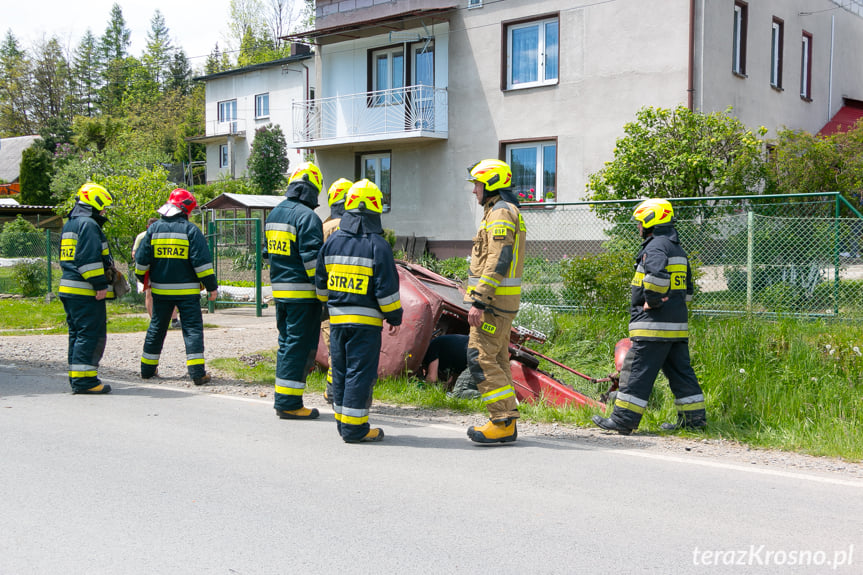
(336, 200)
(294, 237)
(658, 327)
(357, 279)
(494, 293)
(176, 254)
(84, 286)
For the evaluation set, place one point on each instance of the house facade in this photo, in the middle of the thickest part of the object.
(240, 101)
(413, 92)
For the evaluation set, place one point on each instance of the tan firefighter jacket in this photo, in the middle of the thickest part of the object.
(497, 259)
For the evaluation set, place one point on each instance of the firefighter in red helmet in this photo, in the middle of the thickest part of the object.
(176, 254)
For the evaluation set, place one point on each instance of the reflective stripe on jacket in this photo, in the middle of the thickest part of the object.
(175, 252)
(357, 279)
(497, 259)
(294, 238)
(84, 254)
(661, 271)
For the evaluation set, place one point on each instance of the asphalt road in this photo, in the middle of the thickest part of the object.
(152, 479)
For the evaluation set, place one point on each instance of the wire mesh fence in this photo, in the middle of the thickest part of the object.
(759, 254)
(799, 254)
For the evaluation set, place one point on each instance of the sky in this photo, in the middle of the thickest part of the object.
(194, 25)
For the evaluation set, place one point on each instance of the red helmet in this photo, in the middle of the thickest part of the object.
(184, 200)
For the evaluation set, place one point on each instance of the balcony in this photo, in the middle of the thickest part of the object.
(396, 115)
(218, 132)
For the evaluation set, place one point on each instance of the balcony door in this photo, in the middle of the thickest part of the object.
(420, 114)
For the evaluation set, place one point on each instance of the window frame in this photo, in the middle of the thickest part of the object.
(777, 48)
(224, 156)
(386, 188)
(226, 105)
(542, 78)
(259, 113)
(738, 38)
(391, 52)
(541, 145)
(806, 66)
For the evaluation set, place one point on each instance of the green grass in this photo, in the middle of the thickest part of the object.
(32, 315)
(792, 393)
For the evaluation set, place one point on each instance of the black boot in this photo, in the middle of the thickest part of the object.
(611, 425)
(692, 422)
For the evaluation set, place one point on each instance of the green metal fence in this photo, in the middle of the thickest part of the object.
(236, 245)
(800, 254)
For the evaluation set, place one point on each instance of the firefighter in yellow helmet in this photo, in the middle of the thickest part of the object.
(294, 238)
(336, 200)
(357, 279)
(494, 292)
(658, 327)
(84, 286)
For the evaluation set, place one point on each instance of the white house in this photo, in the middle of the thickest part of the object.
(412, 92)
(242, 100)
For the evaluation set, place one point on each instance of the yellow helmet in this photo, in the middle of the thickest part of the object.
(364, 193)
(311, 173)
(493, 174)
(653, 212)
(337, 191)
(95, 195)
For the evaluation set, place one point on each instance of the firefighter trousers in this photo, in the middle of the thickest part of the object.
(354, 355)
(192, 325)
(488, 362)
(299, 324)
(638, 375)
(88, 327)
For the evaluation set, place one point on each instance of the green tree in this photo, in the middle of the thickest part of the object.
(114, 47)
(157, 55)
(802, 162)
(55, 131)
(180, 73)
(35, 178)
(217, 61)
(681, 153)
(15, 117)
(268, 160)
(86, 78)
(50, 94)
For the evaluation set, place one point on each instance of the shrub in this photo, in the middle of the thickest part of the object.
(21, 239)
(31, 277)
(599, 281)
(536, 317)
(453, 268)
(781, 297)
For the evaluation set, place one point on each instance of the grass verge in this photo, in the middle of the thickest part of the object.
(787, 384)
(29, 316)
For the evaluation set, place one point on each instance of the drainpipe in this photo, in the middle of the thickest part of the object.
(830, 76)
(690, 75)
(308, 90)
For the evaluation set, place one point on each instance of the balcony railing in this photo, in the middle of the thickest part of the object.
(403, 112)
(233, 127)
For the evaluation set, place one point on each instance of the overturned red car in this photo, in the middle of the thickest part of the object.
(433, 307)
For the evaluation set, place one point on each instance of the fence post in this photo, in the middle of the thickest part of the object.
(211, 238)
(836, 259)
(258, 266)
(750, 248)
(48, 259)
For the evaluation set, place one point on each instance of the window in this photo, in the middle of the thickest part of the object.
(422, 92)
(262, 105)
(738, 49)
(776, 44)
(376, 168)
(532, 53)
(806, 67)
(388, 73)
(474, 4)
(223, 156)
(228, 114)
(534, 170)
